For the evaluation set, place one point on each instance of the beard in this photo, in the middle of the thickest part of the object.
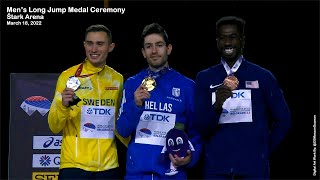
(158, 66)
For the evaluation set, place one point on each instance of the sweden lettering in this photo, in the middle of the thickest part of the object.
(99, 102)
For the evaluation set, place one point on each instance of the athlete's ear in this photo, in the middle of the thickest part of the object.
(169, 49)
(111, 47)
(143, 52)
(243, 41)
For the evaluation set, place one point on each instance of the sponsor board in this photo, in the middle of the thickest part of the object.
(47, 142)
(45, 175)
(46, 160)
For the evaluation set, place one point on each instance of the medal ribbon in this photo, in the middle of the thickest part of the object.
(77, 74)
(234, 68)
(79, 70)
(156, 75)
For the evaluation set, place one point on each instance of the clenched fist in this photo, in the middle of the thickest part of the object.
(140, 95)
(222, 93)
(231, 82)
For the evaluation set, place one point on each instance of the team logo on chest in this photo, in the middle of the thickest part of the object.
(175, 92)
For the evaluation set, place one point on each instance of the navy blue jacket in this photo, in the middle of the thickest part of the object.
(145, 161)
(241, 148)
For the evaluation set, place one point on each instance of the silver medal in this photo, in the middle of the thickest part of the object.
(73, 83)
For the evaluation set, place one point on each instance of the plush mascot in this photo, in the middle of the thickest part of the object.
(176, 143)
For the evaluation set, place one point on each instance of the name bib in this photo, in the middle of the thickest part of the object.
(153, 127)
(237, 108)
(97, 122)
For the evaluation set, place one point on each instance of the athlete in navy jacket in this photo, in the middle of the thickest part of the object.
(150, 110)
(241, 127)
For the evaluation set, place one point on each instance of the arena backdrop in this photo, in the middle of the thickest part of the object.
(282, 36)
(34, 151)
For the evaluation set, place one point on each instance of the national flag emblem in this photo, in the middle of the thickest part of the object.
(252, 84)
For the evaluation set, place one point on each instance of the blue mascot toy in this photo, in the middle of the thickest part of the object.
(177, 143)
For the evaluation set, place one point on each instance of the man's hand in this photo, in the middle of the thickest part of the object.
(67, 96)
(140, 95)
(180, 161)
(231, 82)
(222, 93)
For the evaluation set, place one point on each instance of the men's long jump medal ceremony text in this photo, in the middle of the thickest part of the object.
(31, 16)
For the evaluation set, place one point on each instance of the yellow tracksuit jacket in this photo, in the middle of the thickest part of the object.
(102, 90)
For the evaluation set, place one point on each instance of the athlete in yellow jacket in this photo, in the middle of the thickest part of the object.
(88, 145)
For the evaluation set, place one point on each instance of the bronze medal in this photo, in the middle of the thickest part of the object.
(231, 82)
(150, 83)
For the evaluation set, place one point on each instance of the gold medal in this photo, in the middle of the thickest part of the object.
(150, 83)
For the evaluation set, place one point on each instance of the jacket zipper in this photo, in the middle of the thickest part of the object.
(76, 146)
(99, 163)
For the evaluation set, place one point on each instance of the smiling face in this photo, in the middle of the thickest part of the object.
(230, 42)
(177, 142)
(97, 48)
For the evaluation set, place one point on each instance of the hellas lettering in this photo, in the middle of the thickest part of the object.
(165, 107)
(151, 105)
(162, 106)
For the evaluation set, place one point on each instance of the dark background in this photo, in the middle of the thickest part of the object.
(282, 36)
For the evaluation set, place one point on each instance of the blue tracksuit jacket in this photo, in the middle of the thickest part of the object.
(171, 99)
(243, 148)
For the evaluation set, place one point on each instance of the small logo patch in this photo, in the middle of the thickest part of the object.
(111, 88)
(252, 84)
(176, 92)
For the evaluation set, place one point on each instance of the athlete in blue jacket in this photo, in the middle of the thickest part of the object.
(150, 109)
(241, 127)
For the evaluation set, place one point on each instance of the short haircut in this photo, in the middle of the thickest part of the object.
(99, 28)
(231, 20)
(154, 28)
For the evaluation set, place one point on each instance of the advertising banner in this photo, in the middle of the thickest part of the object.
(34, 151)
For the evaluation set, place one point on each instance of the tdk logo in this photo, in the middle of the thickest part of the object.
(98, 111)
(238, 95)
(156, 117)
(36, 103)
